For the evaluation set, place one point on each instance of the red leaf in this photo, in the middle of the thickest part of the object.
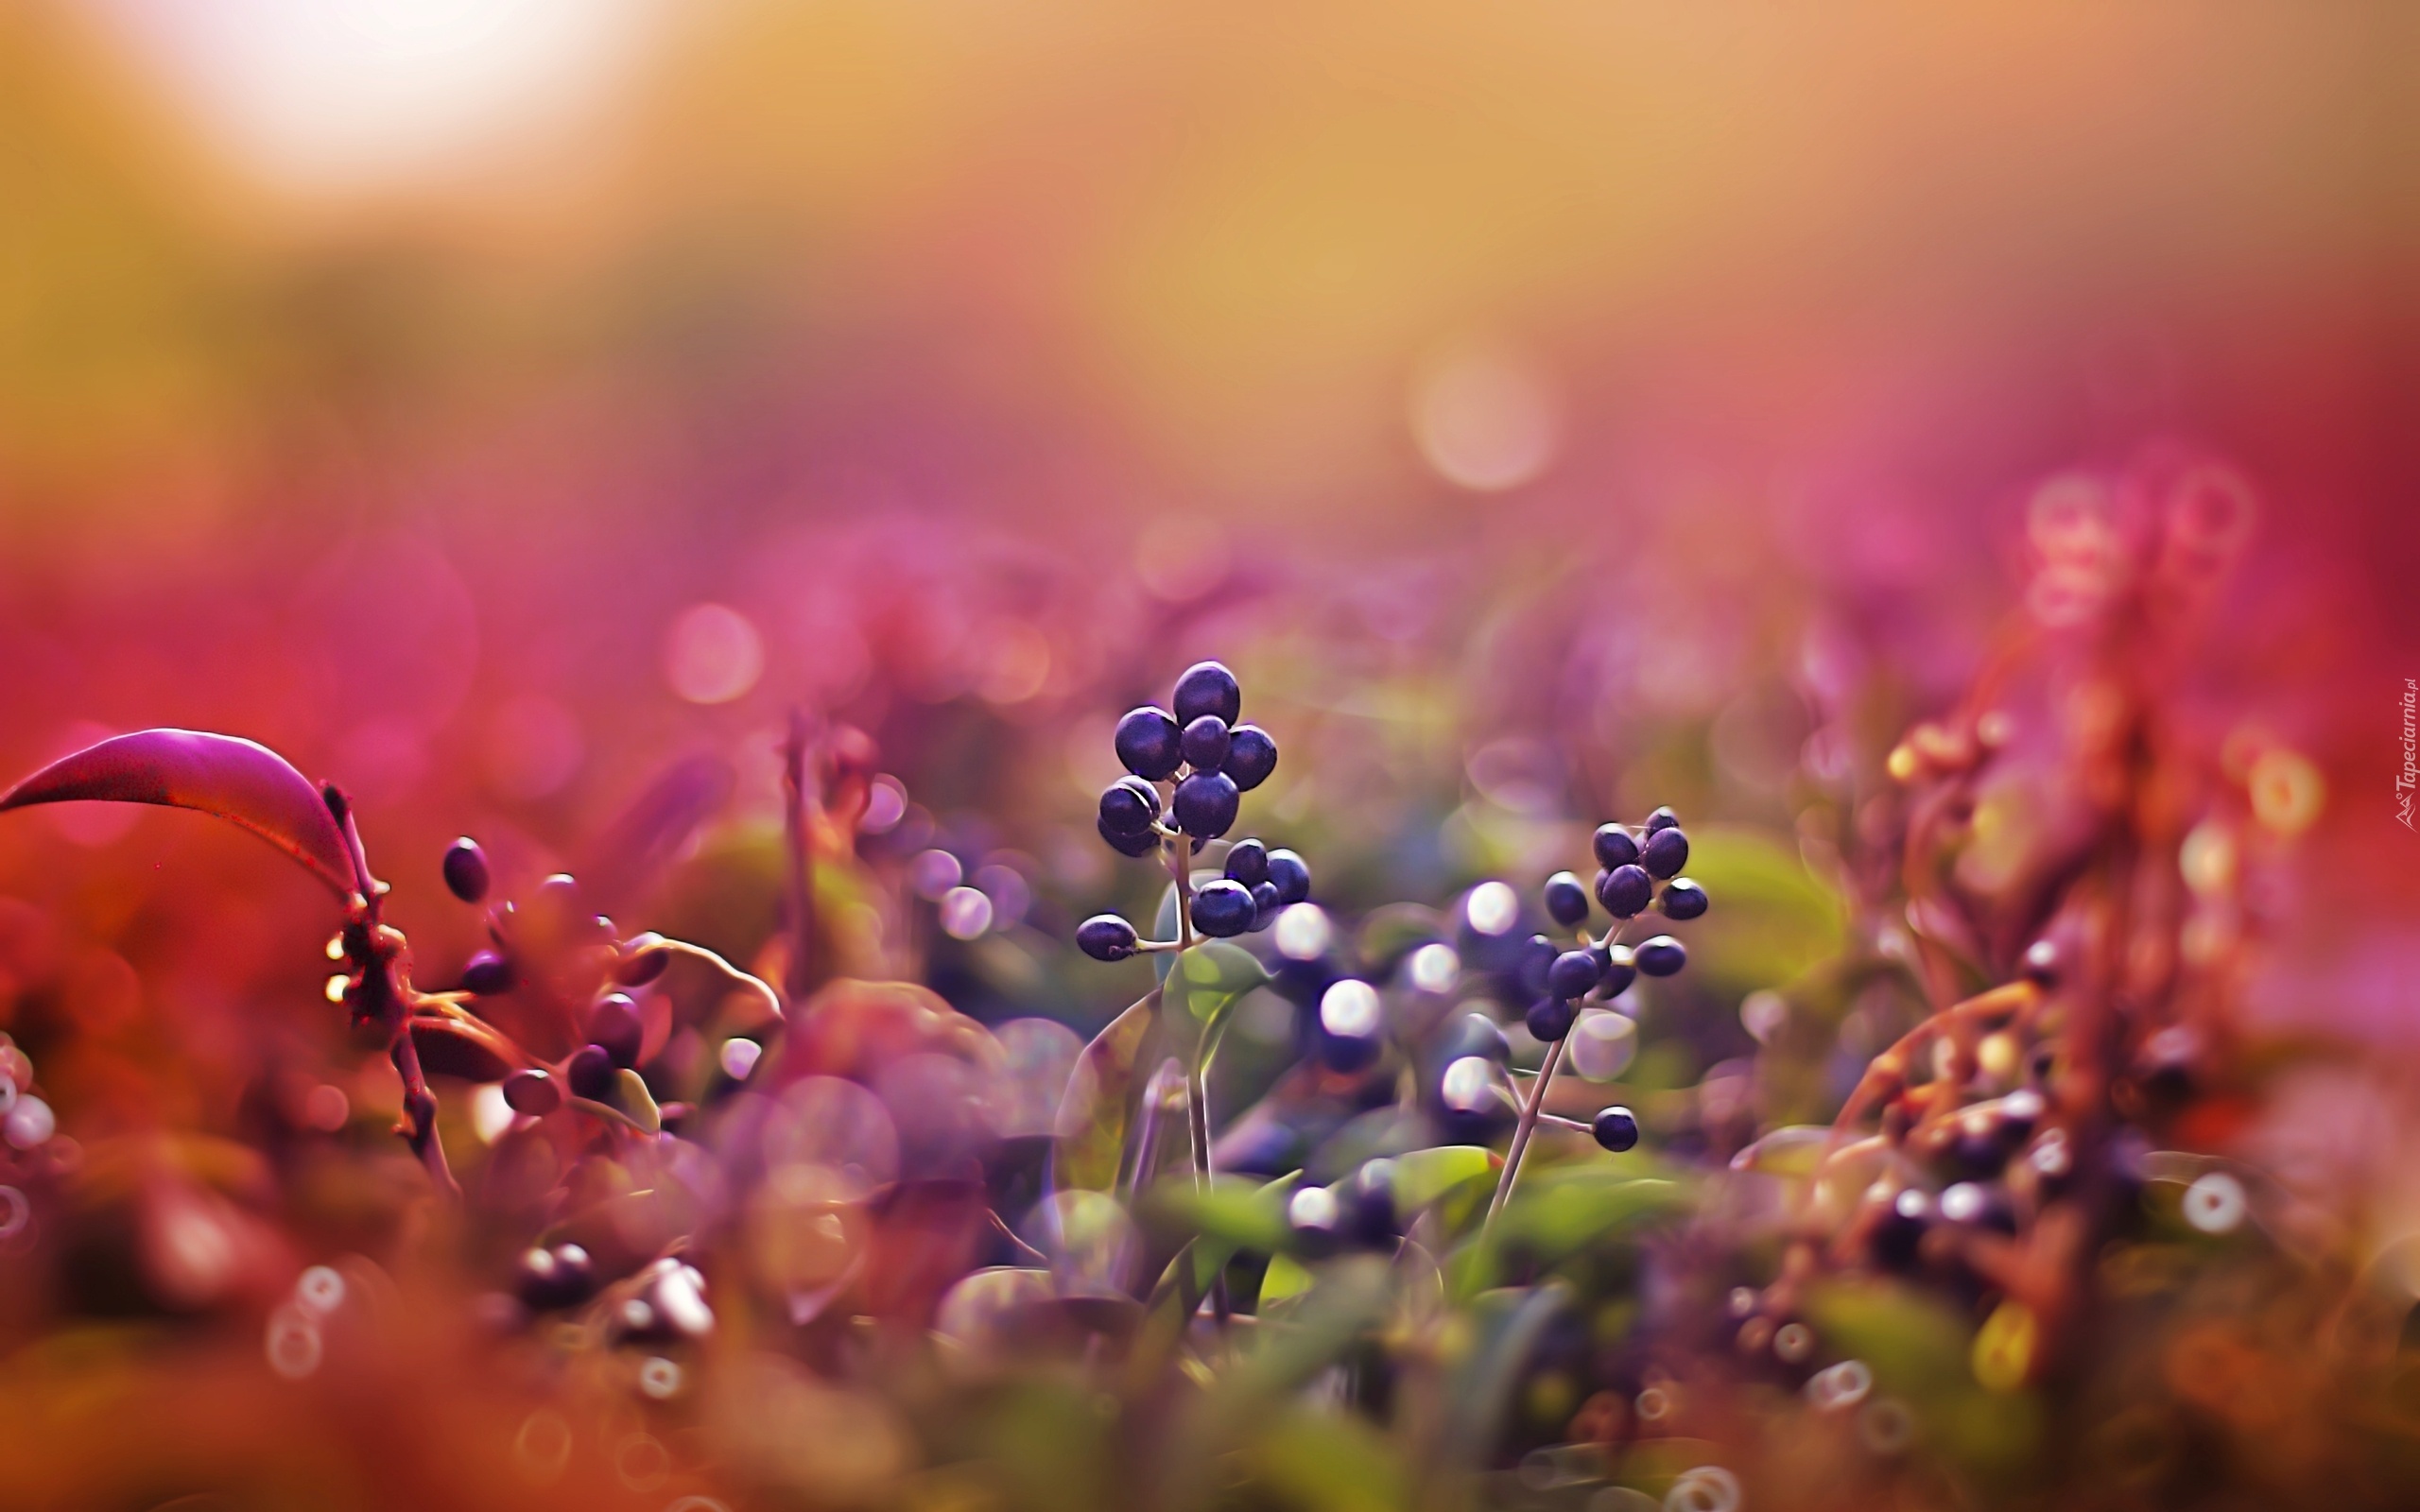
(247, 785)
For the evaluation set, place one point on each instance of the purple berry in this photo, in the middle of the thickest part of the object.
(1205, 805)
(1129, 805)
(1149, 743)
(1614, 847)
(592, 1072)
(1265, 903)
(1292, 877)
(1625, 891)
(1615, 1129)
(1208, 688)
(1223, 909)
(466, 870)
(644, 959)
(1537, 954)
(1204, 743)
(1248, 863)
(532, 1093)
(614, 1025)
(1665, 853)
(1251, 756)
(1140, 844)
(1573, 974)
(1661, 819)
(1683, 898)
(486, 974)
(1659, 957)
(1567, 901)
(1105, 938)
(1897, 1236)
(1549, 1018)
(1621, 970)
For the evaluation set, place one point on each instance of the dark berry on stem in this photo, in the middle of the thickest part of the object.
(1251, 756)
(1208, 688)
(1105, 938)
(1661, 819)
(1621, 970)
(1615, 1129)
(1150, 744)
(1901, 1230)
(1549, 1018)
(1659, 957)
(1683, 898)
(1625, 891)
(537, 1279)
(614, 1025)
(574, 1271)
(466, 870)
(1665, 852)
(1370, 1205)
(592, 1072)
(643, 960)
(1265, 903)
(532, 1093)
(1205, 805)
(1141, 844)
(1129, 805)
(1294, 877)
(1206, 742)
(1614, 847)
(1248, 863)
(1223, 909)
(1567, 901)
(1537, 957)
(486, 974)
(1572, 974)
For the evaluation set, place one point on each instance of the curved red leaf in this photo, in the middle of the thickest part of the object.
(246, 784)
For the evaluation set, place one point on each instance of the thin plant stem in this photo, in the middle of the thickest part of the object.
(1521, 1132)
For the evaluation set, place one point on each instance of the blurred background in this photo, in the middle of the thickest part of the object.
(1549, 410)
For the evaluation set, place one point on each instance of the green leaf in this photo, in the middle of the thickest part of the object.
(1332, 1461)
(1097, 1112)
(1554, 1218)
(1286, 1280)
(1771, 917)
(1505, 1328)
(1233, 1211)
(1205, 984)
(1422, 1177)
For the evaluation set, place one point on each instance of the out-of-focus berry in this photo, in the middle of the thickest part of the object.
(1614, 847)
(1266, 905)
(1573, 974)
(1900, 1232)
(532, 1093)
(1683, 898)
(486, 974)
(1615, 1129)
(1291, 874)
(1368, 1200)
(1149, 744)
(1549, 1018)
(1105, 938)
(1204, 743)
(1208, 688)
(1567, 901)
(615, 1024)
(1659, 957)
(466, 870)
(1537, 957)
(1248, 863)
(644, 959)
(574, 1271)
(1350, 1018)
(1223, 909)
(1205, 804)
(592, 1072)
(1625, 891)
(1665, 853)
(1252, 755)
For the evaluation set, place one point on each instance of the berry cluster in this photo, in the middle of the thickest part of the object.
(1207, 761)
(1630, 867)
